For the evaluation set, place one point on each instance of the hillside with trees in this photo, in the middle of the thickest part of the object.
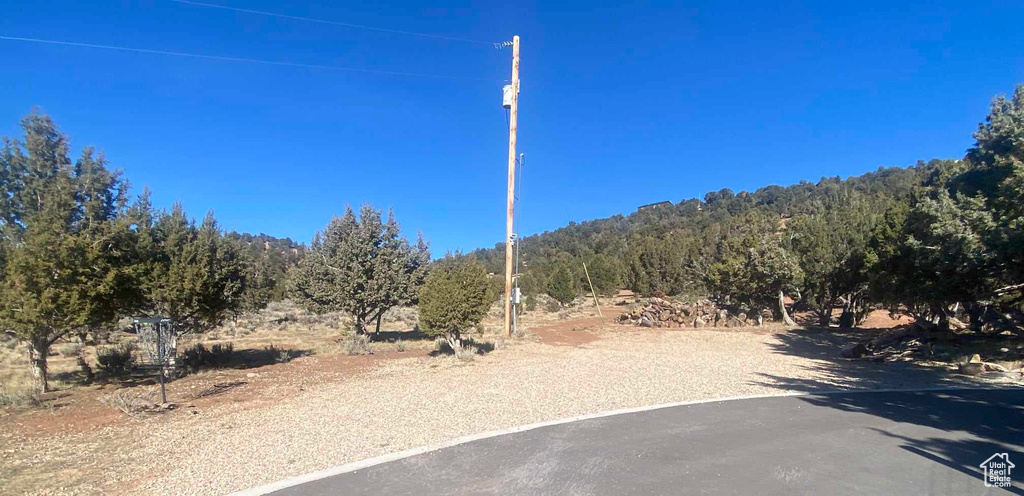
(942, 240)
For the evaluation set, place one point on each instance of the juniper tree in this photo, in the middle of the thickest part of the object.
(62, 242)
(605, 273)
(753, 265)
(995, 182)
(259, 285)
(362, 266)
(562, 283)
(453, 298)
(831, 248)
(192, 274)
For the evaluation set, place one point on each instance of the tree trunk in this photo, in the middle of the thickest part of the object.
(360, 323)
(941, 315)
(782, 310)
(379, 317)
(825, 312)
(37, 351)
(454, 342)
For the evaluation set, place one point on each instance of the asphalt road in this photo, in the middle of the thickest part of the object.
(864, 443)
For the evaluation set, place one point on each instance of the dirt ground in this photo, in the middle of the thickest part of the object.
(240, 427)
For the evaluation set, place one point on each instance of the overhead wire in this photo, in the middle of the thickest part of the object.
(236, 59)
(333, 23)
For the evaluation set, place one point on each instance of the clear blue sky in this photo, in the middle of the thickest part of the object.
(620, 106)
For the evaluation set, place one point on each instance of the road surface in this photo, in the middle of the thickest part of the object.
(859, 443)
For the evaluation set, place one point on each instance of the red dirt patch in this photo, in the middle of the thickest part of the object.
(576, 332)
(880, 319)
(79, 410)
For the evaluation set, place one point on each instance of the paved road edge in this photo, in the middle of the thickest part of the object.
(390, 457)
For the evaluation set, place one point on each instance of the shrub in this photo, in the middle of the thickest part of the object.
(358, 344)
(116, 360)
(552, 306)
(277, 354)
(129, 401)
(401, 346)
(70, 349)
(17, 397)
(454, 298)
(531, 302)
(200, 357)
(466, 353)
(87, 374)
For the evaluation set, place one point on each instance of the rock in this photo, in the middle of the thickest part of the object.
(855, 350)
(699, 322)
(975, 358)
(646, 322)
(993, 367)
(971, 368)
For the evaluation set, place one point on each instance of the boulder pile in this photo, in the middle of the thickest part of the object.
(659, 312)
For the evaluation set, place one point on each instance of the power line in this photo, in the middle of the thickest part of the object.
(334, 23)
(236, 59)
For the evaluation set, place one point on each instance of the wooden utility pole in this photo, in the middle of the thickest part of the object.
(512, 126)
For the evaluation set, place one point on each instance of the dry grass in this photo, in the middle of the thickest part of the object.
(282, 328)
(131, 401)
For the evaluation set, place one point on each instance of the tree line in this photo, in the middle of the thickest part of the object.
(77, 252)
(942, 240)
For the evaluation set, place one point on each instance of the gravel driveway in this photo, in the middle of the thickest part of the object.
(412, 402)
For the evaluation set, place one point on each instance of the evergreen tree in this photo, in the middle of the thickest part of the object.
(61, 240)
(831, 248)
(191, 274)
(361, 266)
(562, 284)
(453, 298)
(604, 274)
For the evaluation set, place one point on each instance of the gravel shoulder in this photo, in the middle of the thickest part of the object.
(407, 402)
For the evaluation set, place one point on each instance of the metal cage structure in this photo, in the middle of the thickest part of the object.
(158, 347)
(158, 343)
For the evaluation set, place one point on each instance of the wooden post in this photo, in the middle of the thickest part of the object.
(512, 126)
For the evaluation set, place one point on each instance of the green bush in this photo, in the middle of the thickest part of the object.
(200, 357)
(454, 297)
(562, 285)
(116, 360)
(358, 344)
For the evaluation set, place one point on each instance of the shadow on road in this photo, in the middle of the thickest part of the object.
(1001, 431)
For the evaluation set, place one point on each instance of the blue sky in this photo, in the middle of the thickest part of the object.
(620, 106)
